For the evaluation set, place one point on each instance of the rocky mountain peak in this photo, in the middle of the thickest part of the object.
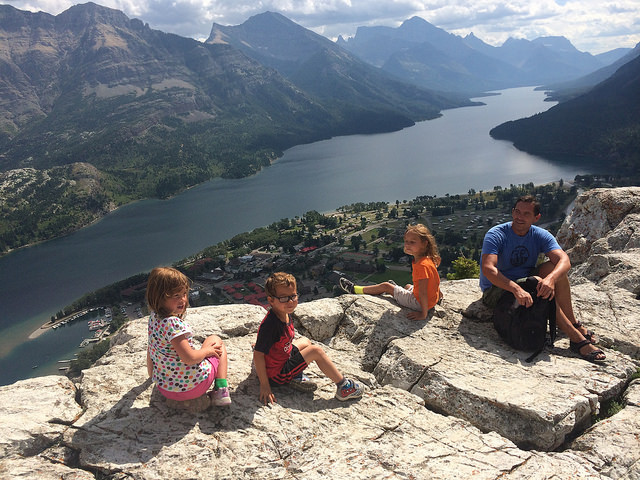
(417, 29)
(84, 16)
(272, 37)
(558, 43)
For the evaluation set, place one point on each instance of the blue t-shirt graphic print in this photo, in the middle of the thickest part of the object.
(519, 256)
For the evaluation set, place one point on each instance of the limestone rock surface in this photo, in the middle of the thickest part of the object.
(602, 233)
(35, 413)
(445, 398)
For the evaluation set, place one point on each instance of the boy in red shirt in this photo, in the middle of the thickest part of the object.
(280, 360)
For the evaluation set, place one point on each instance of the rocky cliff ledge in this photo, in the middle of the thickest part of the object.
(445, 398)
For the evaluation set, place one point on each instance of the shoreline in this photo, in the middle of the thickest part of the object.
(49, 325)
(38, 332)
(62, 235)
(116, 206)
(112, 209)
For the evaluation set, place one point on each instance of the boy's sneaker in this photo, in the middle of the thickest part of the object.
(220, 397)
(303, 383)
(349, 390)
(347, 285)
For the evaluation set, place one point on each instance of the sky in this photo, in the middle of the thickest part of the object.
(593, 26)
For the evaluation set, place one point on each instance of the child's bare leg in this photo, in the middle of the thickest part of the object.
(314, 353)
(302, 343)
(212, 340)
(223, 361)
(223, 364)
(384, 287)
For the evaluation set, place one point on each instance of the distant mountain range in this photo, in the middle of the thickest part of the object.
(332, 75)
(100, 109)
(428, 56)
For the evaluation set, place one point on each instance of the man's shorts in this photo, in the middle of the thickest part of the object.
(492, 295)
(292, 368)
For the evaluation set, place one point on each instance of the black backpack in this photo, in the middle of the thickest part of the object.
(526, 328)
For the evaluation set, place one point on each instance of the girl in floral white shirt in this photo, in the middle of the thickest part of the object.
(182, 373)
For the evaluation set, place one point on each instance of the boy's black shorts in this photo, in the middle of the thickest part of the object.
(291, 369)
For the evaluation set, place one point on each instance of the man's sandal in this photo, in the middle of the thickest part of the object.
(591, 356)
(589, 335)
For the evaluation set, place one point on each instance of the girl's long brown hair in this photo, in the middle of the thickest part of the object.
(164, 282)
(426, 236)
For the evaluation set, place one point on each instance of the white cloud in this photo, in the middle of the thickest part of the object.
(591, 25)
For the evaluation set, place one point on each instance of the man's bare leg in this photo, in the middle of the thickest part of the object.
(565, 318)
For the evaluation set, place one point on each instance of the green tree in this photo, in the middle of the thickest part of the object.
(356, 242)
(464, 267)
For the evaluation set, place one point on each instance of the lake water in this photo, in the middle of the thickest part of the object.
(448, 155)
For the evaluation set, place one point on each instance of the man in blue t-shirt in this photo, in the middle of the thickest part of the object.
(510, 252)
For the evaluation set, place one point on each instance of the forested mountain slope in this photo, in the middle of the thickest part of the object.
(601, 126)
